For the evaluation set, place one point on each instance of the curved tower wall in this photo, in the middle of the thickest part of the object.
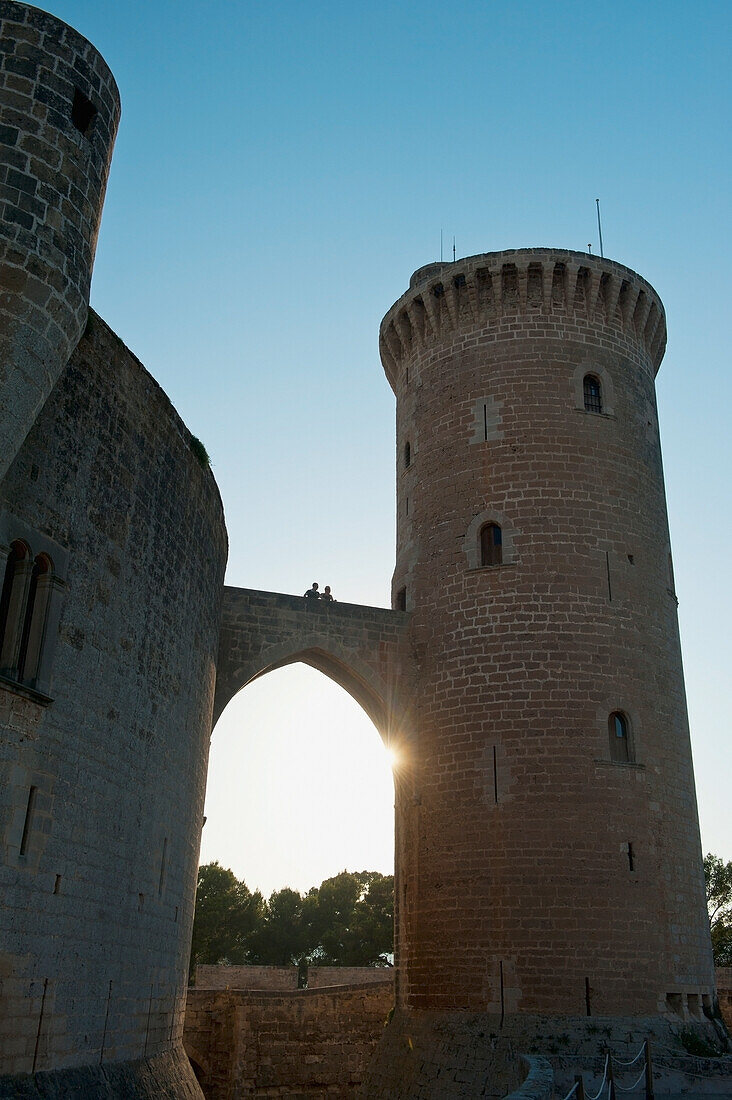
(98, 880)
(513, 842)
(59, 110)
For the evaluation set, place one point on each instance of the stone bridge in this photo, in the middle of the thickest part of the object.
(358, 647)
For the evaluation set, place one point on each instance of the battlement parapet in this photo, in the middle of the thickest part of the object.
(495, 288)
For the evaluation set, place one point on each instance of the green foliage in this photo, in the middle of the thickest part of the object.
(351, 919)
(281, 937)
(718, 878)
(200, 452)
(346, 921)
(701, 1046)
(373, 922)
(227, 914)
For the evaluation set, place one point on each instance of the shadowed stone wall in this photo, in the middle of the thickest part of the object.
(60, 109)
(98, 877)
(306, 1043)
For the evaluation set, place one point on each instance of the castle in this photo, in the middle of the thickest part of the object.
(548, 862)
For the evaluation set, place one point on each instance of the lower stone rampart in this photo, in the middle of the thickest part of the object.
(165, 1077)
(286, 977)
(442, 1056)
(320, 977)
(246, 977)
(305, 1043)
(452, 1056)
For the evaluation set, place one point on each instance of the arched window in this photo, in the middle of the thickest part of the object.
(17, 553)
(491, 544)
(407, 453)
(619, 740)
(13, 603)
(593, 393)
(25, 607)
(34, 623)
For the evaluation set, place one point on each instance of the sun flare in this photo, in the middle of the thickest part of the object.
(392, 757)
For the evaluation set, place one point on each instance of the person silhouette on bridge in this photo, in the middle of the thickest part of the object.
(326, 594)
(312, 593)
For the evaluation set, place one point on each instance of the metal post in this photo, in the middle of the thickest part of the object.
(599, 226)
(580, 1083)
(610, 1079)
(649, 1071)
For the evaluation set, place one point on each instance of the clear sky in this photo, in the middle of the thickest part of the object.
(280, 171)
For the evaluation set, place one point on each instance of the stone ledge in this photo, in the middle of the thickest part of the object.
(25, 691)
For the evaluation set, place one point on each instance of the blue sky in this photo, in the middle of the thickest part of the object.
(282, 168)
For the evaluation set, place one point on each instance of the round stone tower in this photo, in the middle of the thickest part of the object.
(60, 110)
(548, 851)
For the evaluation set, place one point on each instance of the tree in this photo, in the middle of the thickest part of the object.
(346, 921)
(282, 936)
(350, 919)
(373, 923)
(718, 878)
(227, 913)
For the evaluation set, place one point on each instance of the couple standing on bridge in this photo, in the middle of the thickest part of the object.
(314, 594)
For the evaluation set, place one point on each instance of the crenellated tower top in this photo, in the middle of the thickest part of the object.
(495, 288)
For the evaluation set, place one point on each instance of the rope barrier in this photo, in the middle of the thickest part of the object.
(610, 1063)
(619, 1062)
(604, 1079)
(608, 1076)
(688, 1073)
(621, 1088)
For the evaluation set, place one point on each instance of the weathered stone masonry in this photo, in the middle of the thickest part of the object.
(54, 163)
(304, 1043)
(358, 647)
(568, 883)
(96, 913)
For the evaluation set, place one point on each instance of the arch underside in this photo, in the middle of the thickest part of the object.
(355, 646)
(357, 687)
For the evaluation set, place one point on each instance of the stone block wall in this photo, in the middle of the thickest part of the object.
(286, 977)
(358, 647)
(320, 977)
(246, 977)
(59, 109)
(98, 879)
(516, 824)
(305, 1043)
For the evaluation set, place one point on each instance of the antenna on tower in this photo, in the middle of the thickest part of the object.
(599, 227)
(453, 250)
(440, 244)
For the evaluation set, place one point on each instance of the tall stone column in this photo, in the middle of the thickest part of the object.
(549, 860)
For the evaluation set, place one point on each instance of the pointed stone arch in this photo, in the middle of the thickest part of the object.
(358, 647)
